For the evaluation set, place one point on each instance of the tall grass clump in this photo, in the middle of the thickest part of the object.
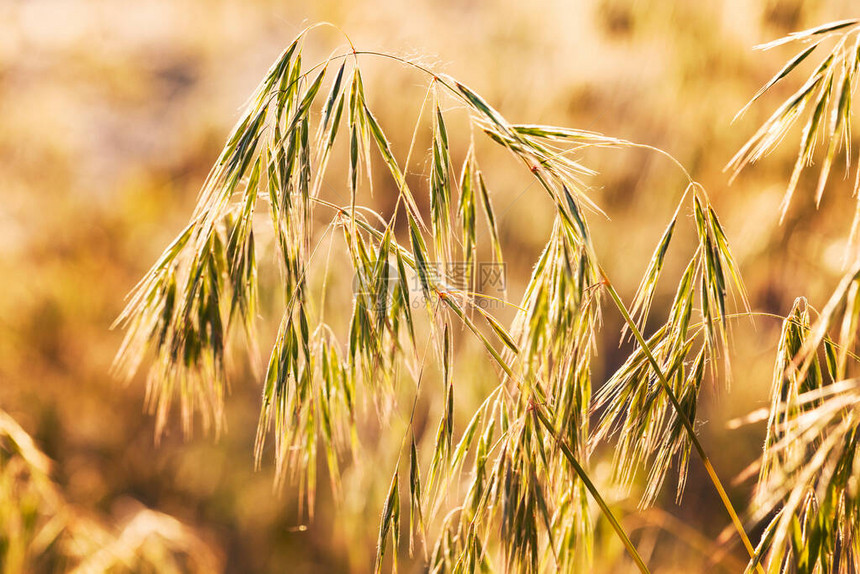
(515, 489)
(809, 472)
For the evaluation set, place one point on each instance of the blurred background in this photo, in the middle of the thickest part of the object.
(112, 112)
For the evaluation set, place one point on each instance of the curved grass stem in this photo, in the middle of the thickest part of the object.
(688, 425)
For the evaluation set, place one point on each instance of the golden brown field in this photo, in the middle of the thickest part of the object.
(113, 113)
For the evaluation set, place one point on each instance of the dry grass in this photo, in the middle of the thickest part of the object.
(515, 491)
(41, 531)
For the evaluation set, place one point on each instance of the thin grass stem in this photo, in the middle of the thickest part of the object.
(688, 425)
(604, 507)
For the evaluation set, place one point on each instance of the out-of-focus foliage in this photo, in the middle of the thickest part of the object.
(41, 531)
(31, 511)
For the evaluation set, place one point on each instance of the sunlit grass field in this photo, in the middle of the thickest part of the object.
(113, 114)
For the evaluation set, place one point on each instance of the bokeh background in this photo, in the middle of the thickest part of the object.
(112, 112)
